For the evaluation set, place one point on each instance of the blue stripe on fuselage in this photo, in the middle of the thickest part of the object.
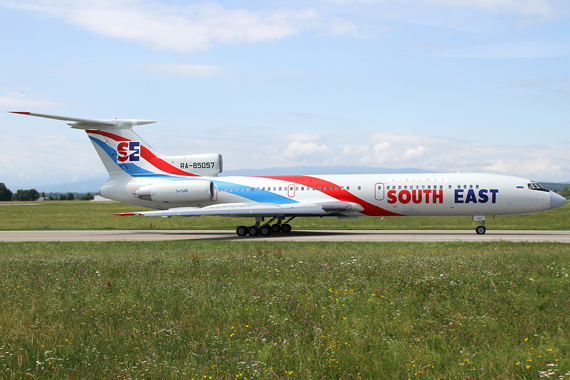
(255, 195)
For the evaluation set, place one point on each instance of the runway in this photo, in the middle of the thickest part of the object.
(306, 235)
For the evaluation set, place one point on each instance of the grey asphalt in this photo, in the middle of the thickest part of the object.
(306, 235)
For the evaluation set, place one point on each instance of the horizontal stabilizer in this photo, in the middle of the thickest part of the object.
(79, 123)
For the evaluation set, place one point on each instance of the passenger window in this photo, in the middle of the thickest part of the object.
(348, 188)
(429, 187)
(359, 188)
(336, 187)
(405, 187)
(476, 186)
(465, 186)
(470, 186)
(450, 186)
(302, 188)
(399, 187)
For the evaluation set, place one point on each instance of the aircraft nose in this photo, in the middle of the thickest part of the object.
(556, 200)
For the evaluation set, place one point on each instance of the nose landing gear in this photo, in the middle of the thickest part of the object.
(480, 229)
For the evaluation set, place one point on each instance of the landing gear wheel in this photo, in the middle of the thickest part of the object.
(481, 230)
(241, 231)
(286, 228)
(276, 228)
(253, 231)
(265, 230)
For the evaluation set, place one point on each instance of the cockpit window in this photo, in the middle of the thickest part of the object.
(536, 186)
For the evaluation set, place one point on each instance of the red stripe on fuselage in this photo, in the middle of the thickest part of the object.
(341, 195)
(152, 159)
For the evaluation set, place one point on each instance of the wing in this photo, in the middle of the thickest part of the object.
(256, 209)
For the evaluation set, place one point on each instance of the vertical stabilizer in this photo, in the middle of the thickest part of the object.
(123, 152)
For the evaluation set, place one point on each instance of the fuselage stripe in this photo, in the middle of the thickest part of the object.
(341, 195)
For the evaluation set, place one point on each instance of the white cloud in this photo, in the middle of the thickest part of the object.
(187, 28)
(186, 70)
(541, 8)
(393, 150)
(545, 9)
(308, 153)
(41, 159)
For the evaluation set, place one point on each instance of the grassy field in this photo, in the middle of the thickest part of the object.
(71, 215)
(227, 310)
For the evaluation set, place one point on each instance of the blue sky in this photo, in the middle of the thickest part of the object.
(440, 85)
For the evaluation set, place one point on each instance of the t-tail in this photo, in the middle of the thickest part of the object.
(123, 152)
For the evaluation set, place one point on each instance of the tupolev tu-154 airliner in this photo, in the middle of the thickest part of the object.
(189, 185)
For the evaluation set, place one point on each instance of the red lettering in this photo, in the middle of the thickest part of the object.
(416, 196)
(122, 148)
(438, 196)
(404, 197)
(392, 196)
(427, 193)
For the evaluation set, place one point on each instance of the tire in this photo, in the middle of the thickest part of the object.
(286, 228)
(480, 230)
(276, 228)
(241, 231)
(253, 231)
(265, 230)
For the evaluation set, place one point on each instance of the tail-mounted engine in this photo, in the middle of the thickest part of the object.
(177, 191)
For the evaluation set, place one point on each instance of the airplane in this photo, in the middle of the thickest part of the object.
(189, 185)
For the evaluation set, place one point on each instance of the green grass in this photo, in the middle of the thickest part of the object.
(73, 215)
(237, 310)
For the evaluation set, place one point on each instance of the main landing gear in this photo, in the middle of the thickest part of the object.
(480, 229)
(265, 229)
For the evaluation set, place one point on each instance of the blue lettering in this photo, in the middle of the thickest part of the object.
(483, 197)
(470, 197)
(458, 195)
(134, 145)
(494, 195)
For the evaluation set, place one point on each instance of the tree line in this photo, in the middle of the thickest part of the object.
(33, 195)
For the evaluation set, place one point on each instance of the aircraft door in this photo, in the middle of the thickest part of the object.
(291, 190)
(379, 191)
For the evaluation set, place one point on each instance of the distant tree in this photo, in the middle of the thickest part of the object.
(5, 193)
(43, 194)
(87, 197)
(70, 196)
(26, 195)
(51, 198)
(61, 197)
(565, 191)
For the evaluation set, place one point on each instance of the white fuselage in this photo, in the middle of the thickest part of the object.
(377, 195)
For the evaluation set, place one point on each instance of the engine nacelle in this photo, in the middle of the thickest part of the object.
(177, 191)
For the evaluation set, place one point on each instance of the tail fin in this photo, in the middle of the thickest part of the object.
(124, 152)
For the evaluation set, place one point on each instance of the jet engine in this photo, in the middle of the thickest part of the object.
(177, 191)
